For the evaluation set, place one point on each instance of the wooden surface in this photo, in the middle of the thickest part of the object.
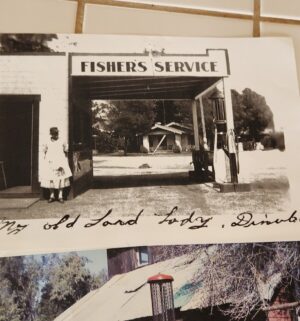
(79, 16)
(255, 17)
(166, 8)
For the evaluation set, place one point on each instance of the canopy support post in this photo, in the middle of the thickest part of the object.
(203, 124)
(232, 152)
(195, 125)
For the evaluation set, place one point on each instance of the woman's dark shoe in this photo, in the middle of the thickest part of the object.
(51, 200)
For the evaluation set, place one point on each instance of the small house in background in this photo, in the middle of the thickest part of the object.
(127, 297)
(168, 137)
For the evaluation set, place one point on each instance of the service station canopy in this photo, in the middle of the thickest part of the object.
(162, 76)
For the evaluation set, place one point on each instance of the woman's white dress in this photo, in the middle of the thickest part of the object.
(55, 170)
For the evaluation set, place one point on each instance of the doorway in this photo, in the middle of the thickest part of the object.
(85, 90)
(18, 145)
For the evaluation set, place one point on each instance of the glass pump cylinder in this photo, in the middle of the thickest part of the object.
(162, 297)
(219, 115)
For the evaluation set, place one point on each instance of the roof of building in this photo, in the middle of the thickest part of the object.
(167, 128)
(127, 296)
(174, 124)
(146, 87)
(171, 128)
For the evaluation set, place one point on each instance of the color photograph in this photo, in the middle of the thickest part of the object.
(241, 281)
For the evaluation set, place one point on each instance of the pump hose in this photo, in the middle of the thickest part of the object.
(234, 145)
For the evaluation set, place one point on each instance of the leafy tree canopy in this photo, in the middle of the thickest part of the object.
(126, 119)
(25, 42)
(251, 113)
(179, 111)
(39, 290)
(66, 280)
(130, 118)
(19, 288)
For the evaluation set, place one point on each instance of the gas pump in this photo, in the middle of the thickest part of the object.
(225, 150)
(224, 158)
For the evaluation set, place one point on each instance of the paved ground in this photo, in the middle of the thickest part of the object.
(265, 170)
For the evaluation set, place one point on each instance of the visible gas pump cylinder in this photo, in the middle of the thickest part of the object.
(221, 155)
(162, 297)
(225, 155)
(219, 113)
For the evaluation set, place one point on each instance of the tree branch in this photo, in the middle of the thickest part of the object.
(283, 306)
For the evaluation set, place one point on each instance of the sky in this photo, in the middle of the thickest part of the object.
(97, 259)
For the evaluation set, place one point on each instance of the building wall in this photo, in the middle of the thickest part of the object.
(215, 314)
(124, 260)
(178, 141)
(185, 142)
(281, 315)
(167, 143)
(170, 141)
(45, 75)
(121, 261)
(146, 142)
(81, 141)
(155, 141)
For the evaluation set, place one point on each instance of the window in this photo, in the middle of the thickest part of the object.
(142, 255)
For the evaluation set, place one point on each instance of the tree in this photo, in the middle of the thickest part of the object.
(25, 42)
(19, 288)
(126, 119)
(130, 118)
(238, 274)
(34, 289)
(179, 111)
(100, 111)
(251, 113)
(104, 139)
(66, 280)
(240, 278)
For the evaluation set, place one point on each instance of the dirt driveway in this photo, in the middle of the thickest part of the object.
(106, 165)
(266, 171)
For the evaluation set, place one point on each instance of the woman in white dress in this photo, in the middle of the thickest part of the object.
(56, 172)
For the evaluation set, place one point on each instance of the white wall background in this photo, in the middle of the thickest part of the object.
(40, 75)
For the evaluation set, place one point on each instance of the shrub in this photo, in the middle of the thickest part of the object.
(120, 143)
(249, 145)
(279, 140)
(106, 143)
(268, 142)
(274, 140)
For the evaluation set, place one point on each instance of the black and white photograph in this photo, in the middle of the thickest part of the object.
(241, 281)
(123, 122)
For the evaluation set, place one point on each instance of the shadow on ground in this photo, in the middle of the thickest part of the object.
(143, 180)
